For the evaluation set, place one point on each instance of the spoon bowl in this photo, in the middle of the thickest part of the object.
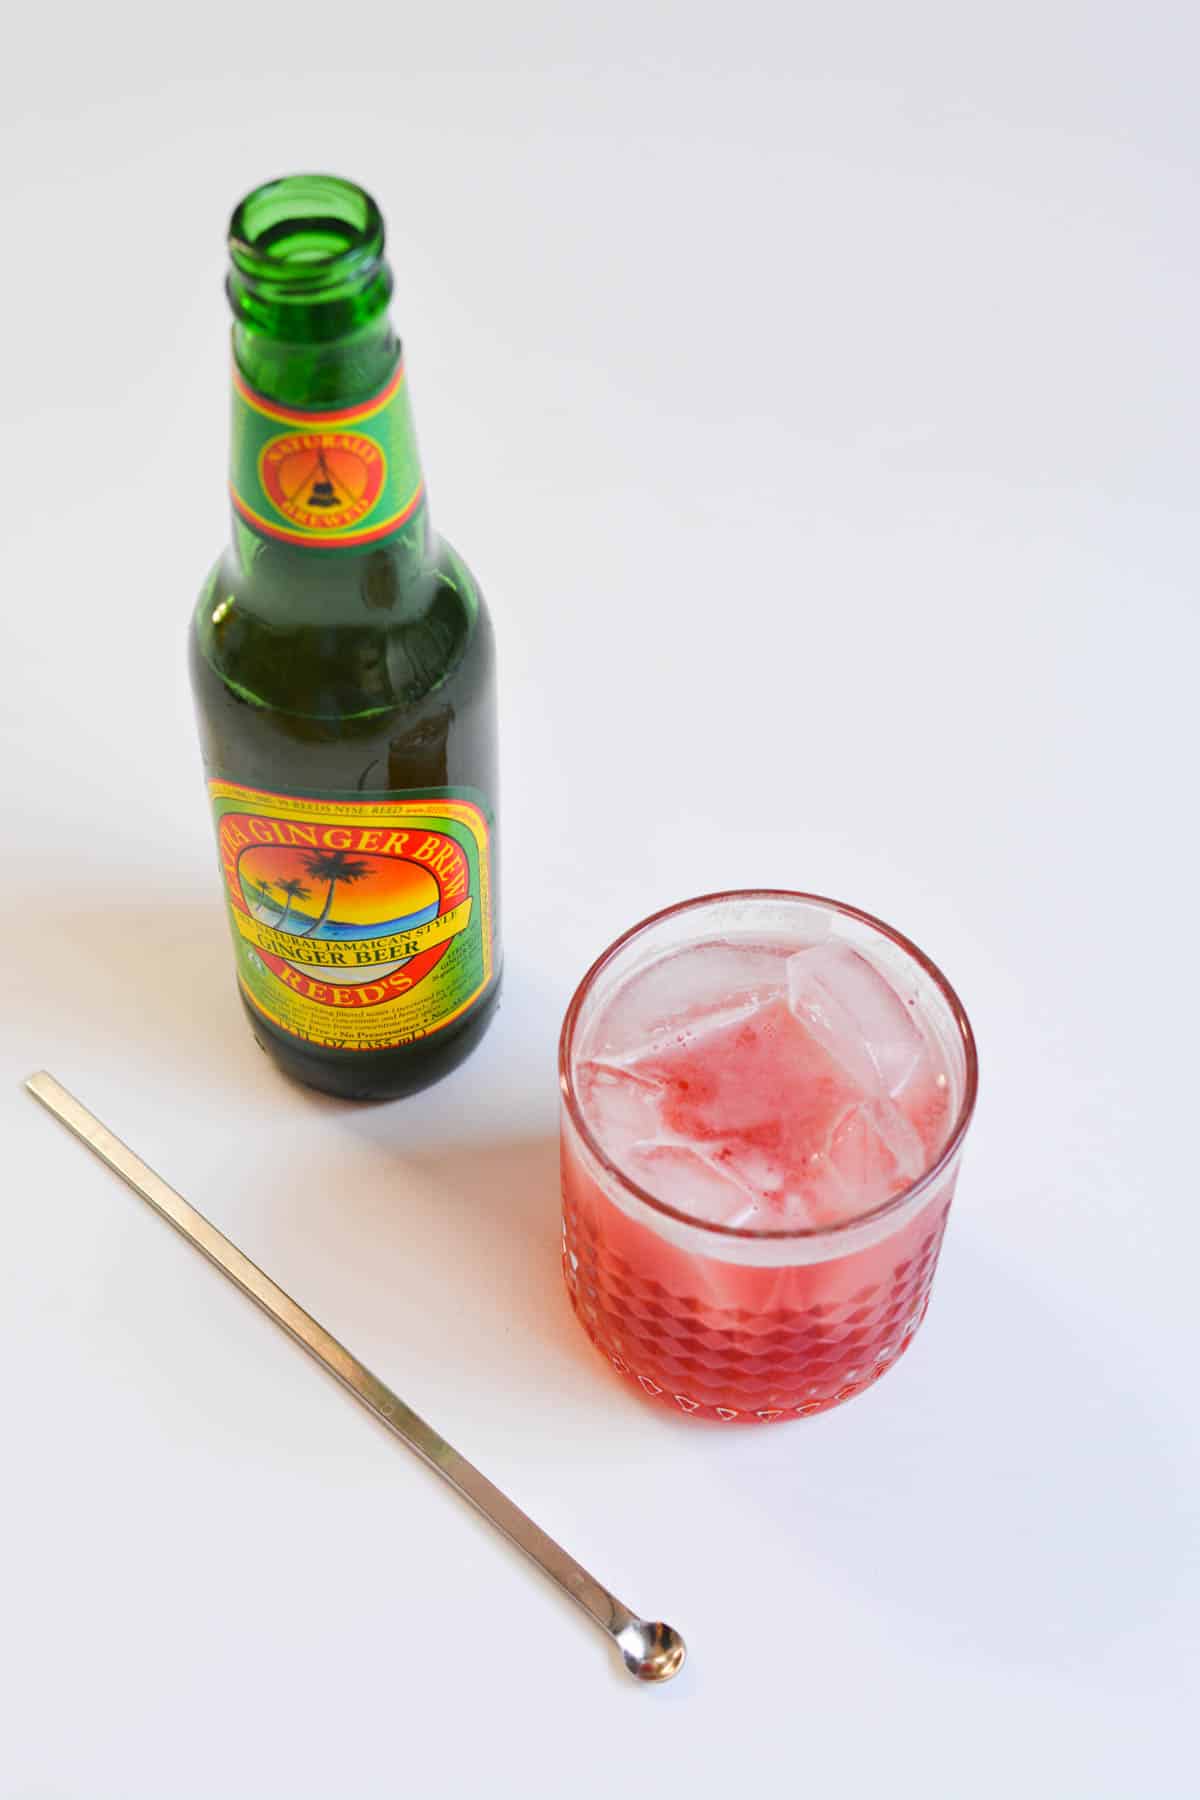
(652, 1651)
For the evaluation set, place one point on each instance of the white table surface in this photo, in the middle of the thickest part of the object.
(815, 392)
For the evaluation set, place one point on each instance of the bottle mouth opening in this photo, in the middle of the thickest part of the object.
(305, 236)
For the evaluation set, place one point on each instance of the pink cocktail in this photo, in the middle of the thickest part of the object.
(765, 1097)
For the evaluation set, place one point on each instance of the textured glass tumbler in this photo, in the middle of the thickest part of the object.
(743, 1322)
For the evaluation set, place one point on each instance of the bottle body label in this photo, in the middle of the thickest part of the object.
(327, 480)
(358, 924)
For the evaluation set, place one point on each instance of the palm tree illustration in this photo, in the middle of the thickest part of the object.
(335, 867)
(295, 890)
(263, 894)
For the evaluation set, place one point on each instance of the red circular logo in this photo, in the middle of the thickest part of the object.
(322, 481)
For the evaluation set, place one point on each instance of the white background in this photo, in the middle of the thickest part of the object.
(814, 390)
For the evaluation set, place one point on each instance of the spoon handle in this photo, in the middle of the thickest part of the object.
(388, 1408)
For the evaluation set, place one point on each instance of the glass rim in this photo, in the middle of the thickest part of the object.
(894, 1202)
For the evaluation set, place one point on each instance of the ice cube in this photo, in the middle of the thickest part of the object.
(684, 1030)
(856, 1015)
(622, 1106)
(872, 1153)
(693, 1182)
(899, 1137)
(659, 1001)
(625, 1108)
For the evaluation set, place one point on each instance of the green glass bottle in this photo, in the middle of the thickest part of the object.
(343, 666)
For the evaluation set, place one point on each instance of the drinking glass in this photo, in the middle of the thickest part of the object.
(754, 1322)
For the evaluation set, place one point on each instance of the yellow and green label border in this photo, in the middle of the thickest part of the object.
(358, 924)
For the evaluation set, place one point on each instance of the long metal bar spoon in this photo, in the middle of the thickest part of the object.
(651, 1650)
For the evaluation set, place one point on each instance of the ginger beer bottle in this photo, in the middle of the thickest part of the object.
(343, 667)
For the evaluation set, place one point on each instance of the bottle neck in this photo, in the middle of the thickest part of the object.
(323, 451)
(337, 476)
(340, 372)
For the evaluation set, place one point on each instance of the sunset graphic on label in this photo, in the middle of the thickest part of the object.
(351, 920)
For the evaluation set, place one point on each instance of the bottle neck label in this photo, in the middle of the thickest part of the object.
(326, 480)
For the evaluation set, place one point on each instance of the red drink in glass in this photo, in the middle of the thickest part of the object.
(765, 1097)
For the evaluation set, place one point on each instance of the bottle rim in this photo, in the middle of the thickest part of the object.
(305, 238)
